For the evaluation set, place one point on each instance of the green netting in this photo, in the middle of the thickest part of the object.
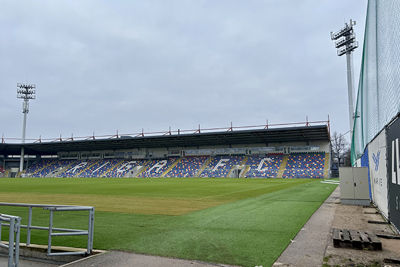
(378, 98)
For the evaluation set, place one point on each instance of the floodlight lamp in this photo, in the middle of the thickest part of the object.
(345, 41)
(343, 32)
(349, 48)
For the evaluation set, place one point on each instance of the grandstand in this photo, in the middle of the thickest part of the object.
(285, 152)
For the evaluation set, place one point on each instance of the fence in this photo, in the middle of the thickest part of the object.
(378, 98)
(14, 222)
(54, 231)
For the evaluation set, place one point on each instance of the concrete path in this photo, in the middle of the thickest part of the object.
(26, 263)
(118, 258)
(308, 247)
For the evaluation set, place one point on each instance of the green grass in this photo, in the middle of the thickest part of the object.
(244, 222)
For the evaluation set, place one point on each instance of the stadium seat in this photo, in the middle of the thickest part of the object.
(124, 167)
(220, 166)
(305, 165)
(155, 168)
(46, 167)
(299, 165)
(99, 168)
(264, 166)
(187, 167)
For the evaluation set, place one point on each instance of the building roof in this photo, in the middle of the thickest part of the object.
(226, 138)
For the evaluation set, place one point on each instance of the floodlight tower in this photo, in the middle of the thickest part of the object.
(25, 92)
(346, 43)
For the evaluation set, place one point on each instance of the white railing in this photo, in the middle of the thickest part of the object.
(54, 231)
(14, 223)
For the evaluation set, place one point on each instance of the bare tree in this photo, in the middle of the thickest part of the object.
(347, 157)
(339, 147)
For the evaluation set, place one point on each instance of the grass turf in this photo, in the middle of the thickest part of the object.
(244, 222)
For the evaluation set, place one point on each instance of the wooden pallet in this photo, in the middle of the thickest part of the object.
(343, 238)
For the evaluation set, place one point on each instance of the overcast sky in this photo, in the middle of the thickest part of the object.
(107, 65)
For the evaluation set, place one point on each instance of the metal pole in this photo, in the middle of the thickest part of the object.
(50, 232)
(346, 43)
(25, 111)
(17, 239)
(25, 92)
(28, 234)
(11, 243)
(350, 86)
(90, 231)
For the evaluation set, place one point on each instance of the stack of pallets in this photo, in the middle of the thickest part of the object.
(343, 238)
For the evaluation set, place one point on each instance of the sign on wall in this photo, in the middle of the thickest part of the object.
(393, 152)
(378, 172)
(365, 163)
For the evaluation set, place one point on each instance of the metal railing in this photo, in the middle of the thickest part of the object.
(117, 135)
(54, 231)
(14, 223)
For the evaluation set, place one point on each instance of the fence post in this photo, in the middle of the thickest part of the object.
(28, 233)
(90, 231)
(17, 238)
(50, 232)
(11, 243)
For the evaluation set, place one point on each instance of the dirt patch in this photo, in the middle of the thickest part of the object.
(356, 218)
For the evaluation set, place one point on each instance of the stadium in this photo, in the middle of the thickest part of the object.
(271, 152)
(258, 195)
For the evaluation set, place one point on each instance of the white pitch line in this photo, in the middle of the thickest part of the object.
(330, 182)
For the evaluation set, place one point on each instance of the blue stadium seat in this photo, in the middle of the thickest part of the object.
(123, 167)
(264, 166)
(220, 166)
(155, 168)
(305, 165)
(187, 167)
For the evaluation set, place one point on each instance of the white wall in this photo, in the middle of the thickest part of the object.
(378, 172)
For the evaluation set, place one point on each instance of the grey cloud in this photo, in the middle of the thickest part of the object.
(127, 65)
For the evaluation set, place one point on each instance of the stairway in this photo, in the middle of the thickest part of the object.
(283, 166)
(243, 162)
(84, 169)
(145, 167)
(203, 167)
(171, 167)
(244, 172)
(56, 173)
(327, 165)
(39, 170)
(111, 169)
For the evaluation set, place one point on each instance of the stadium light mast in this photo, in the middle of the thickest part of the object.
(25, 92)
(346, 43)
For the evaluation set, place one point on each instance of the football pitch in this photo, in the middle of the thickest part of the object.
(245, 222)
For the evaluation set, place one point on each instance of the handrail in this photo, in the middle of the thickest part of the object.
(47, 206)
(54, 231)
(14, 222)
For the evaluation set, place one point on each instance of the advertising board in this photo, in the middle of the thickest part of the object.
(393, 152)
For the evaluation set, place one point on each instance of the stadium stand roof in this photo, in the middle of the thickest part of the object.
(237, 137)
